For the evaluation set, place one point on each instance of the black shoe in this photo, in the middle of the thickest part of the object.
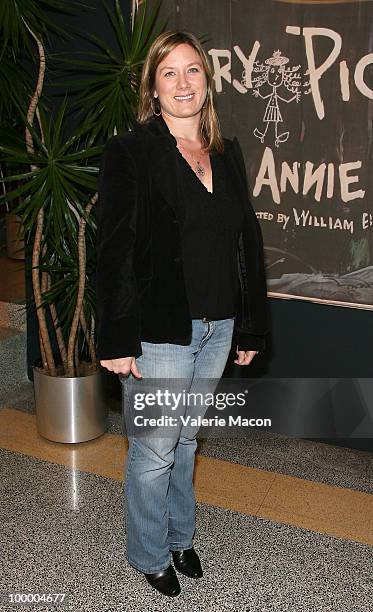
(187, 562)
(165, 581)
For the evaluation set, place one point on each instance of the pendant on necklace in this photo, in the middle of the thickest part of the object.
(200, 170)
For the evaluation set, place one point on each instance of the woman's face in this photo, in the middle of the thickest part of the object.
(180, 82)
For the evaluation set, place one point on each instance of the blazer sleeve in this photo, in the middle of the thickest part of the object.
(118, 333)
(251, 324)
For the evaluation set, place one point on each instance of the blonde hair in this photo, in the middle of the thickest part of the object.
(210, 133)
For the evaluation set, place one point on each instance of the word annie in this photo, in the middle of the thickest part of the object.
(306, 176)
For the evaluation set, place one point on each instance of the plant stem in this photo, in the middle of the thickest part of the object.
(59, 335)
(48, 360)
(88, 336)
(81, 285)
(43, 331)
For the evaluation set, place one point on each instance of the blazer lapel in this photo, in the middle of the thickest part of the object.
(160, 151)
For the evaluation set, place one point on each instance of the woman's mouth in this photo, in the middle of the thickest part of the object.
(184, 98)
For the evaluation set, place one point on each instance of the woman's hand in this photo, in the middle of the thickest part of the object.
(245, 357)
(122, 365)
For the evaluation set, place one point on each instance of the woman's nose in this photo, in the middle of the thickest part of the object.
(183, 80)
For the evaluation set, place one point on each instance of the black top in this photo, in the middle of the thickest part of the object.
(210, 227)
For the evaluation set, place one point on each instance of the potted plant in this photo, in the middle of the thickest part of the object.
(57, 191)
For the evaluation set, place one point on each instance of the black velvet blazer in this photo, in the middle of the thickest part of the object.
(140, 285)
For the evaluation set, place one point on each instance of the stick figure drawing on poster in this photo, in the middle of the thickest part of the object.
(274, 74)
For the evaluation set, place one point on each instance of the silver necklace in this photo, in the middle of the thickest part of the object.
(198, 169)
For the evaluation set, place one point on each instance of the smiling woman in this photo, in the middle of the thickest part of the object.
(181, 89)
(179, 271)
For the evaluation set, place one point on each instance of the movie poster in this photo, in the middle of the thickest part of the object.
(294, 82)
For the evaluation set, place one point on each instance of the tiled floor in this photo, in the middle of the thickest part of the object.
(269, 541)
(63, 532)
(309, 460)
(329, 509)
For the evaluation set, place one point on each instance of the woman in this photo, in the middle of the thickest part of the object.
(179, 273)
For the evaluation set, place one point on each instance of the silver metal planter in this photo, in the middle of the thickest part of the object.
(70, 409)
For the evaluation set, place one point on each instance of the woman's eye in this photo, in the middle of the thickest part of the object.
(193, 69)
(166, 74)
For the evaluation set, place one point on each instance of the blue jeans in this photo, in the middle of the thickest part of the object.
(160, 501)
